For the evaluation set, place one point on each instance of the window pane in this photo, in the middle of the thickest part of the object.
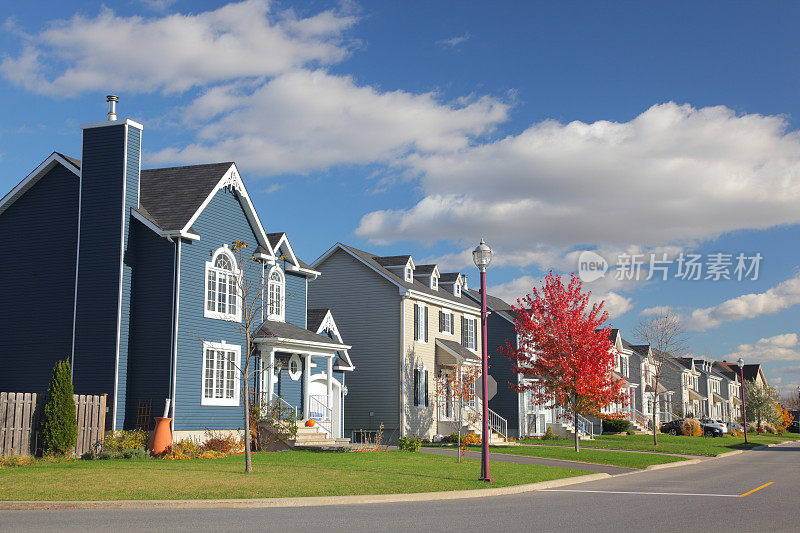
(229, 383)
(209, 382)
(222, 288)
(212, 290)
(231, 295)
(220, 374)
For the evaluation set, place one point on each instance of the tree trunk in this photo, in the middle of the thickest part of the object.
(655, 429)
(248, 462)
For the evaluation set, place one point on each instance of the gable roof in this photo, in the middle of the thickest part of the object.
(449, 277)
(423, 270)
(685, 362)
(318, 320)
(173, 195)
(392, 260)
(374, 262)
(287, 330)
(314, 318)
(71, 164)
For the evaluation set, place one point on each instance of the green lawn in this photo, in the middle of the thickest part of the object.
(671, 443)
(606, 457)
(284, 474)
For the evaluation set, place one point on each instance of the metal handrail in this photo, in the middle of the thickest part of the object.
(318, 405)
(279, 399)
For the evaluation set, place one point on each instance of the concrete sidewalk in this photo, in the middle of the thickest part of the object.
(542, 461)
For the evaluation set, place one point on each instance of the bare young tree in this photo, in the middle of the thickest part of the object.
(667, 338)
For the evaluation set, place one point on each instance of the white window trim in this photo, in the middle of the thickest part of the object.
(421, 387)
(457, 290)
(236, 380)
(210, 266)
(452, 322)
(434, 283)
(295, 375)
(279, 317)
(420, 323)
(408, 274)
(472, 345)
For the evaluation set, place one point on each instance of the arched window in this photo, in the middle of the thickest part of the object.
(222, 291)
(276, 290)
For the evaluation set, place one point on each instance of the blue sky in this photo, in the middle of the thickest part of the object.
(422, 126)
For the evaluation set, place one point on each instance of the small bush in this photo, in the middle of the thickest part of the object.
(691, 427)
(222, 443)
(188, 447)
(471, 439)
(549, 435)
(615, 425)
(409, 444)
(106, 454)
(135, 453)
(59, 427)
(10, 461)
(126, 440)
(630, 432)
(769, 428)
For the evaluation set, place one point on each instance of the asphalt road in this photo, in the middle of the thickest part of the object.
(700, 497)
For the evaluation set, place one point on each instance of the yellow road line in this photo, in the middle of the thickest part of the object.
(748, 493)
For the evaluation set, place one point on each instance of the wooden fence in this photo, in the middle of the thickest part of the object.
(19, 422)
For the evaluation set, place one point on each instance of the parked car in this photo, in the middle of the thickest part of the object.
(735, 426)
(714, 423)
(674, 428)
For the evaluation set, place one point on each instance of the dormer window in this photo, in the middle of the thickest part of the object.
(221, 287)
(434, 283)
(409, 274)
(457, 289)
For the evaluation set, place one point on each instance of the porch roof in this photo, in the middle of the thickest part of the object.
(286, 334)
(452, 352)
(718, 398)
(694, 395)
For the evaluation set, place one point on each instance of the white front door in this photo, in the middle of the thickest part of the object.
(319, 388)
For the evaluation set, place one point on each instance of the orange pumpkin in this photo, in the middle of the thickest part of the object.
(310, 422)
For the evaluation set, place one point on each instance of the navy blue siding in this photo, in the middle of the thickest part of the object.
(296, 299)
(46, 218)
(131, 201)
(221, 222)
(150, 342)
(506, 402)
(289, 389)
(99, 260)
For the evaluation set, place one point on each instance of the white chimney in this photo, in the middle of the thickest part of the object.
(112, 106)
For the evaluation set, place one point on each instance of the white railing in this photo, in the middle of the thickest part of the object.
(280, 401)
(583, 425)
(642, 419)
(666, 416)
(473, 413)
(318, 410)
(498, 424)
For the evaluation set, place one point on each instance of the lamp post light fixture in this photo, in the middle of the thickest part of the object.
(740, 362)
(482, 256)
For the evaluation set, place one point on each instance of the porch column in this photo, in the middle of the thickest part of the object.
(270, 373)
(306, 386)
(329, 370)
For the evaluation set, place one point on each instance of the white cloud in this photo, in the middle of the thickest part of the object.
(157, 5)
(672, 175)
(782, 296)
(615, 303)
(782, 347)
(655, 311)
(176, 52)
(452, 42)
(304, 120)
(275, 187)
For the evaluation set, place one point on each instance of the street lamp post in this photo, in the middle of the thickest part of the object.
(482, 255)
(744, 408)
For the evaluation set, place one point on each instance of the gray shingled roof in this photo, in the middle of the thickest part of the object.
(641, 349)
(496, 304)
(421, 270)
(314, 318)
(286, 330)
(75, 162)
(391, 260)
(373, 261)
(173, 195)
(685, 362)
(458, 348)
(449, 277)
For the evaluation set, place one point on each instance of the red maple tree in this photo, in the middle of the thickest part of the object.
(564, 349)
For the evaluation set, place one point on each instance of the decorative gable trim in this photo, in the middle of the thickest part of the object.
(32, 178)
(232, 180)
(328, 324)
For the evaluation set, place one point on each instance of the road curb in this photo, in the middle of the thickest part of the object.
(311, 501)
(673, 464)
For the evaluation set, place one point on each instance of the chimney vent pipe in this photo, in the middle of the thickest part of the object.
(112, 106)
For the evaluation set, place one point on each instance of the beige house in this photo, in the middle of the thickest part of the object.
(409, 326)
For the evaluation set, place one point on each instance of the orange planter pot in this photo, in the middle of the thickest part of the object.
(161, 437)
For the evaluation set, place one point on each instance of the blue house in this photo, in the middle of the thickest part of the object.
(132, 275)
